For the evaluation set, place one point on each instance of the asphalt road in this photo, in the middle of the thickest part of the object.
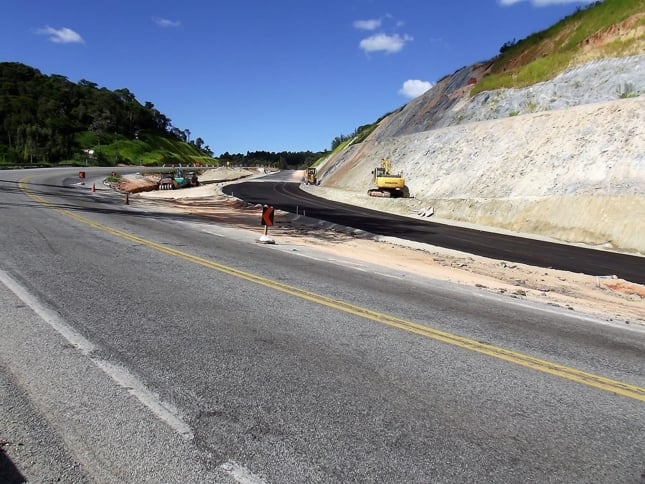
(139, 346)
(287, 196)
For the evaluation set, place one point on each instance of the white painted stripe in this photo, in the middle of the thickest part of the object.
(240, 473)
(47, 315)
(164, 411)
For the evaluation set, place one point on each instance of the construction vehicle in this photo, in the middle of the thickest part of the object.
(310, 176)
(386, 183)
(178, 179)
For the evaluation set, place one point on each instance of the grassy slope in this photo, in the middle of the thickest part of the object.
(543, 55)
(359, 136)
(149, 149)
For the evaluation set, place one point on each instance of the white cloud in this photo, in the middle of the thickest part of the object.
(414, 88)
(61, 36)
(384, 42)
(371, 24)
(542, 3)
(164, 22)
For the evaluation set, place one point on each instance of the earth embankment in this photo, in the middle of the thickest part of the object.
(574, 174)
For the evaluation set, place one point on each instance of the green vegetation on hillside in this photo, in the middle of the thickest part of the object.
(359, 135)
(49, 120)
(543, 55)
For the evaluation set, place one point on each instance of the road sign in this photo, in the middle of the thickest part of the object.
(81, 174)
(267, 215)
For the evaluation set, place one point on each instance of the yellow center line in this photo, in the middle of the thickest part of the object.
(544, 366)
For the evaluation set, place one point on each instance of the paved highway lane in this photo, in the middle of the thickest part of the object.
(257, 363)
(288, 196)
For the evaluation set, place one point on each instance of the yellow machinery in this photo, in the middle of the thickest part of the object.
(310, 176)
(387, 184)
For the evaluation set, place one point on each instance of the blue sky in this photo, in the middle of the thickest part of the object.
(274, 75)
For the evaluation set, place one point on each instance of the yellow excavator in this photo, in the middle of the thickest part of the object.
(386, 183)
(310, 176)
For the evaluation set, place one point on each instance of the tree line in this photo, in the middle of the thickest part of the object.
(282, 160)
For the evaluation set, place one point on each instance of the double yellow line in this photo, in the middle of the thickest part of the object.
(544, 366)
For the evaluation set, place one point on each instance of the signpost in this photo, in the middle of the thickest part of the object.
(267, 220)
(267, 217)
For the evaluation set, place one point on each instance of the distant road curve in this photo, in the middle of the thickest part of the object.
(289, 197)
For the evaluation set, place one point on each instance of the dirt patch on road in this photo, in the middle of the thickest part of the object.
(138, 183)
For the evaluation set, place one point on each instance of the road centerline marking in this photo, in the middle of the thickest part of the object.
(590, 379)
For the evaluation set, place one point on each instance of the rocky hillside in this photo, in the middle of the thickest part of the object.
(562, 159)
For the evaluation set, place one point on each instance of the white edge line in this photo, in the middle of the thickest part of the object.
(240, 473)
(163, 410)
(47, 315)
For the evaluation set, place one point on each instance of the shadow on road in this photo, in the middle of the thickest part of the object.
(9, 473)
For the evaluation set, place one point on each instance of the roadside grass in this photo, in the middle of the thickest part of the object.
(115, 178)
